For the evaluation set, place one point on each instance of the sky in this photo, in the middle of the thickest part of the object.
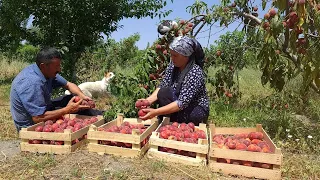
(147, 27)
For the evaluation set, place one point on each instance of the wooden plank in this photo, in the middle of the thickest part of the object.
(149, 131)
(246, 171)
(119, 151)
(77, 145)
(111, 136)
(246, 156)
(119, 119)
(45, 148)
(179, 145)
(226, 130)
(268, 140)
(108, 124)
(144, 149)
(152, 153)
(44, 135)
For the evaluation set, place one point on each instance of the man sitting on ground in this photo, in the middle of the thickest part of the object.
(30, 95)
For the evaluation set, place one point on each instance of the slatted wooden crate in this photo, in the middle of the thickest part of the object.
(200, 149)
(67, 137)
(136, 139)
(274, 158)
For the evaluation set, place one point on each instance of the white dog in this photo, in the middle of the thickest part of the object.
(94, 89)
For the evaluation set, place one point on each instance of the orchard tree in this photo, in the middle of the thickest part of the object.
(68, 25)
(291, 35)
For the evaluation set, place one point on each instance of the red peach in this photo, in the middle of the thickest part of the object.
(39, 128)
(191, 125)
(49, 122)
(176, 124)
(247, 163)
(241, 146)
(255, 141)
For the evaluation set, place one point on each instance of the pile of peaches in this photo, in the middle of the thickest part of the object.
(252, 141)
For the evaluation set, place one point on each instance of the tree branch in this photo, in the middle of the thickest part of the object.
(247, 15)
(199, 29)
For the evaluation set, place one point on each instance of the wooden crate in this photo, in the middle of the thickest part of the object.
(67, 136)
(201, 149)
(274, 158)
(137, 150)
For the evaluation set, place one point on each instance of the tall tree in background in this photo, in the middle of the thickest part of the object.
(68, 25)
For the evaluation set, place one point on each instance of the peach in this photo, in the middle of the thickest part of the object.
(36, 141)
(162, 129)
(55, 126)
(164, 134)
(39, 128)
(141, 113)
(266, 150)
(255, 135)
(60, 121)
(128, 145)
(45, 141)
(72, 122)
(175, 124)
(179, 136)
(191, 125)
(172, 138)
(194, 136)
(245, 141)
(266, 166)
(240, 136)
(247, 163)
(58, 142)
(172, 128)
(201, 134)
(47, 128)
(126, 123)
(186, 134)
(241, 146)
(263, 144)
(252, 148)
(231, 144)
(256, 164)
(77, 99)
(49, 122)
(255, 141)
(237, 162)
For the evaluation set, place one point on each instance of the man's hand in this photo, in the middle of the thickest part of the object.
(84, 97)
(151, 113)
(74, 107)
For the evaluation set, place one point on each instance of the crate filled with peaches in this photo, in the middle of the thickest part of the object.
(60, 136)
(246, 152)
(126, 137)
(180, 143)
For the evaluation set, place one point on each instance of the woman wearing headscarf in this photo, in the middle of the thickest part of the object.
(182, 94)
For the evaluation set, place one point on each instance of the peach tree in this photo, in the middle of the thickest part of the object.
(290, 33)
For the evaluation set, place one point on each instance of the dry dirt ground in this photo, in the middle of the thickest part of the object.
(84, 165)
